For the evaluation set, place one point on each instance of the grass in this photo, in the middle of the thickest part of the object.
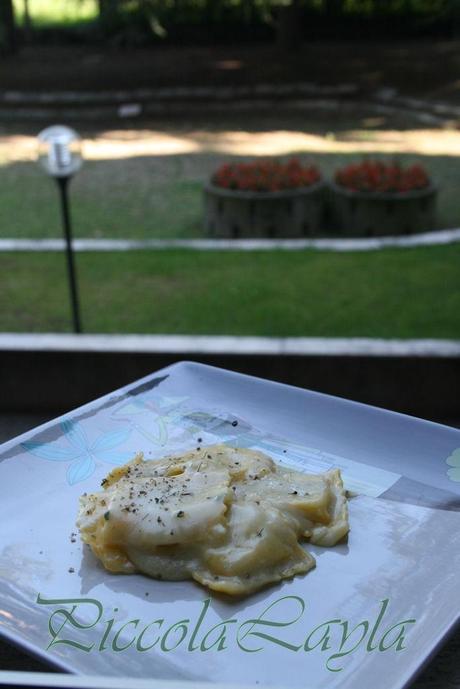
(57, 12)
(409, 293)
(104, 203)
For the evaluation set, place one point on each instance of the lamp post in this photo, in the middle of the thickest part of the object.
(59, 154)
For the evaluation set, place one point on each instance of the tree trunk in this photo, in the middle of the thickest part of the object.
(108, 14)
(455, 14)
(289, 27)
(247, 11)
(7, 27)
(213, 11)
(107, 9)
(333, 8)
(27, 21)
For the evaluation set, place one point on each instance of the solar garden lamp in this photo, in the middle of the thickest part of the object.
(59, 154)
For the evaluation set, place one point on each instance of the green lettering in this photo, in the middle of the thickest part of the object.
(323, 640)
(220, 641)
(115, 646)
(182, 626)
(345, 637)
(251, 624)
(206, 604)
(68, 616)
(139, 645)
(398, 641)
(108, 629)
(378, 621)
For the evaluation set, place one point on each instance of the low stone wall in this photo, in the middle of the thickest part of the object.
(57, 374)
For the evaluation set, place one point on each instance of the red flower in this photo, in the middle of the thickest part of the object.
(266, 175)
(371, 175)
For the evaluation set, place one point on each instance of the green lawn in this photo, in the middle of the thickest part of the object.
(402, 293)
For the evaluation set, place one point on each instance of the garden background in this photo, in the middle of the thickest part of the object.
(374, 79)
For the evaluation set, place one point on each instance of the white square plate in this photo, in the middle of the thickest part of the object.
(371, 613)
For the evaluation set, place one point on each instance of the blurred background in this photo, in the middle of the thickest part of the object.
(163, 92)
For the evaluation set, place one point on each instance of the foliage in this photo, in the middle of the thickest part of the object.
(7, 27)
(395, 6)
(137, 21)
(45, 13)
(377, 175)
(266, 175)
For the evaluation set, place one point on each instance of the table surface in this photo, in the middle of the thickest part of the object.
(442, 673)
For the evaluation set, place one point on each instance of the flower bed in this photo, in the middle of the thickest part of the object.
(375, 198)
(264, 199)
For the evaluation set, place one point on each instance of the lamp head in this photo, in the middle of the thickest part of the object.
(59, 151)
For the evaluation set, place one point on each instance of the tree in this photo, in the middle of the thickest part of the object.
(455, 14)
(7, 27)
(333, 8)
(108, 10)
(289, 27)
(27, 25)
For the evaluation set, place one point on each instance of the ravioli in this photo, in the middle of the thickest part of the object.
(229, 518)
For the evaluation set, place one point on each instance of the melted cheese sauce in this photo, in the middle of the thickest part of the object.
(229, 518)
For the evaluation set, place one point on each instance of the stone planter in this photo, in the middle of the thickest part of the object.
(234, 214)
(374, 214)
